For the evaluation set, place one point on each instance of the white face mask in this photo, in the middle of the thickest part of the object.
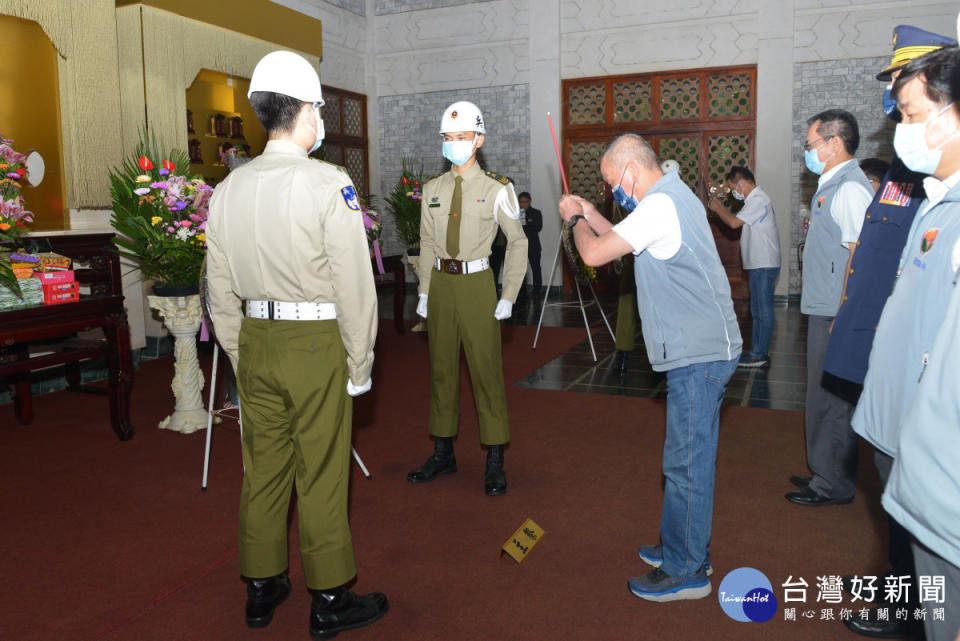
(910, 143)
(736, 194)
(459, 151)
(319, 131)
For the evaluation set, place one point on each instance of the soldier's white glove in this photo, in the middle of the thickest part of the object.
(504, 310)
(422, 306)
(353, 390)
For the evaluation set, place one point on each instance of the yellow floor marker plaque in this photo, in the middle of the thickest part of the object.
(523, 540)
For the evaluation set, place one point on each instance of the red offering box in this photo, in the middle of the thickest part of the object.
(56, 293)
(50, 278)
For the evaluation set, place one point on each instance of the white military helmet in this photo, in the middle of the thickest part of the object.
(669, 166)
(462, 116)
(289, 74)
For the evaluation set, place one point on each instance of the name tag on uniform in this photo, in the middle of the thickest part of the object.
(433, 205)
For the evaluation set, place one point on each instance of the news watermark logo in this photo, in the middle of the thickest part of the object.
(746, 595)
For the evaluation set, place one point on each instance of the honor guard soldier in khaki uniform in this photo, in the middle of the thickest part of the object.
(460, 213)
(285, 236)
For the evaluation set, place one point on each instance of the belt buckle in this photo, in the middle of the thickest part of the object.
(453, 267)
(270, 312)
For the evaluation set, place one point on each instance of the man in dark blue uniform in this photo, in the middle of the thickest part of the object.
(868, 284)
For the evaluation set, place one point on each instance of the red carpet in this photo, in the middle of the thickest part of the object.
(114, 541)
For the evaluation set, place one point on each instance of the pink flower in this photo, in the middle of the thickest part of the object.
(185, 223)
(143, 191)
(170, 229)
(159, 185)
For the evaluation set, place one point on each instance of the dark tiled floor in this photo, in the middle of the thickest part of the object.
(780, 386)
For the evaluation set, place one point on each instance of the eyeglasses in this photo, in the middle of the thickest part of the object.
(807, 146)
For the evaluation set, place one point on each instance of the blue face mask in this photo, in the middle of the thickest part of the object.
(627, 203)
(890, 105)
(320, 131)
(813, 162)
(910, 143)
(458, 151)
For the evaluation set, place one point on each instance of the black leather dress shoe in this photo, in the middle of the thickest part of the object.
(872, 627)
(434, 467)
(810, 498)
(333, 611)
(801, 481)
(263, 597)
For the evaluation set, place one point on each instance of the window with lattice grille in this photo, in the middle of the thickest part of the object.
(705, 119)
(346, 143)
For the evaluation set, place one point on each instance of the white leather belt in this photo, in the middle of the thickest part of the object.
(276, 310)
(450, 266)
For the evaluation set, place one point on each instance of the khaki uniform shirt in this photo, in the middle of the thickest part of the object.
(486, 203)
(284, 227)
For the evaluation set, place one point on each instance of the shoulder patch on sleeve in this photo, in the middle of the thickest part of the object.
(498, 177)
(350, 197)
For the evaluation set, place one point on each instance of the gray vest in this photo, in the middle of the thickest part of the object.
(824, 256)
(684, 301)
(909, 324)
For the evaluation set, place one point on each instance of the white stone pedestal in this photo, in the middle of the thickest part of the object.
(181, 315)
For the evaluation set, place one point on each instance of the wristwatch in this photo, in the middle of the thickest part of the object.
(576, 218)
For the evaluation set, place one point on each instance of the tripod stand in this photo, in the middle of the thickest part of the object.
(579, 303)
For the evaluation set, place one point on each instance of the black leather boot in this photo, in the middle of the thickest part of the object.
(440, 462)
(495, 479)
(263, 597)
(338, 609)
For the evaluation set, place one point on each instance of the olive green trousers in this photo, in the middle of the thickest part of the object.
(627, 312)
(296, 424)
(460, 312)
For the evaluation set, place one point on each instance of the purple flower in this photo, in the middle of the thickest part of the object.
(163, 172)
(159, 185)
(170, 229)
(13, 175)
(143, 191)
(178, 206)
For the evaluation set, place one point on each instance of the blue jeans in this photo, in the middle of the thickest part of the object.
(694, 394)
(762, 283)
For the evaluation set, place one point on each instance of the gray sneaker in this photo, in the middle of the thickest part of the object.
(657, 585)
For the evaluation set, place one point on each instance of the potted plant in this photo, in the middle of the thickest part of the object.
(403, 203)
(160, 214)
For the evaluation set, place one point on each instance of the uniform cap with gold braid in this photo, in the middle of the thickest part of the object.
(911, 42)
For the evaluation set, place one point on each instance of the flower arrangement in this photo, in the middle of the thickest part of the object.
(14, 217)
(403, 203)
(160, 214)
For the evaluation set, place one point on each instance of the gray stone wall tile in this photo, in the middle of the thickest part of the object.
(409, 129)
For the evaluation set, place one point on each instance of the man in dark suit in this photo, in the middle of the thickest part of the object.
(532, 221)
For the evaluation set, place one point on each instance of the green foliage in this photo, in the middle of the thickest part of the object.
(403, 203)
(159, 214)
